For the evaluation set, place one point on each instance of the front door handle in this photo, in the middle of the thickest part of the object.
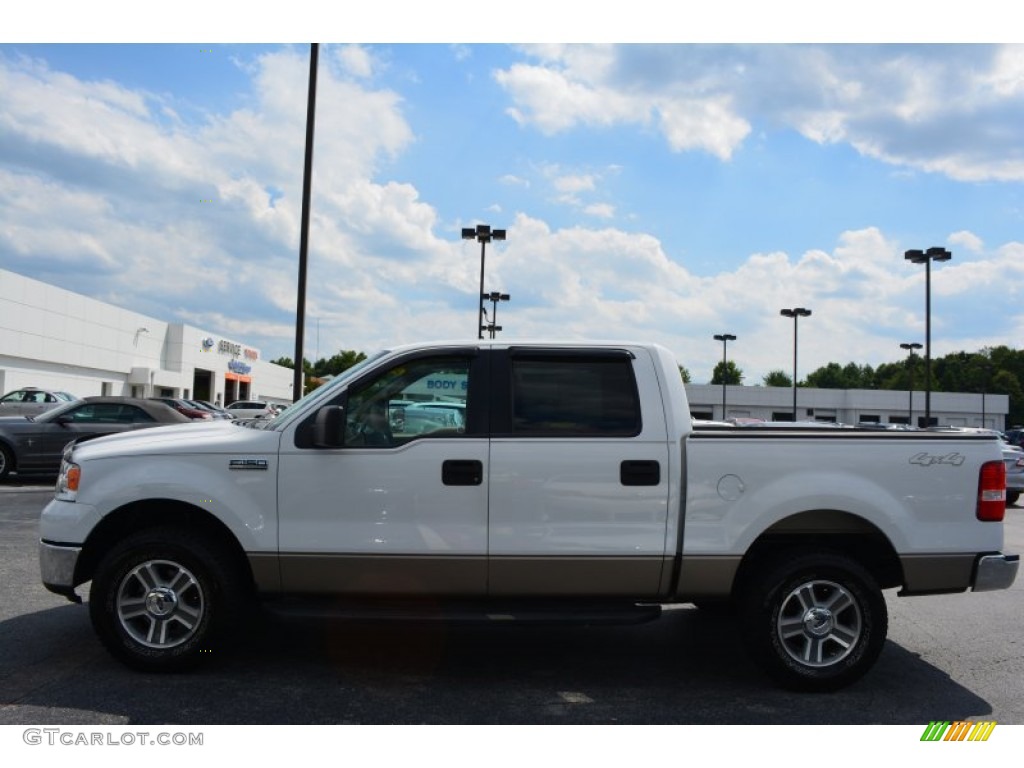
(462, 472)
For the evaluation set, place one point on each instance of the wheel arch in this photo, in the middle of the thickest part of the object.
(823, 530)
(139, 516)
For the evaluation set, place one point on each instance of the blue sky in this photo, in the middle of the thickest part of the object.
(663, 192)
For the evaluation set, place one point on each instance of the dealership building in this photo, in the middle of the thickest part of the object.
(848, 406)
(56, 339)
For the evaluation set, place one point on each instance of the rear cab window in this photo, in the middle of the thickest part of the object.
(569, 393)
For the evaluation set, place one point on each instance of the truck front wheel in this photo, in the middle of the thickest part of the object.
(161, 601)
(814, 622)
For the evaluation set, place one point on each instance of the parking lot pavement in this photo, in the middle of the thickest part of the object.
(15, 483)
(947, 657)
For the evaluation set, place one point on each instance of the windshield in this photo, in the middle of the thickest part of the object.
(320, 393)
(55, 412)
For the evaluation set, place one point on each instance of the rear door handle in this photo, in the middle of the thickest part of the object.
(462, 472)
(635, 472)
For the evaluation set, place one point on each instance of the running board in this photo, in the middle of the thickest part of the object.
(511, 612)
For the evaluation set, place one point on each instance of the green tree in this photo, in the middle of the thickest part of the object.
(777, 378)
(827, 377)
(835, 376)
(310, 380)
(996, 370)
(1007, 383)
(729, 372)
(339, 363)
(287, 362)
(684, 373)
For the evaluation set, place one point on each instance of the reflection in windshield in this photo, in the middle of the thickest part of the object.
(286, 416)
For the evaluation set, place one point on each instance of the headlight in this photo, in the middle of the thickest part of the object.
(68, 479)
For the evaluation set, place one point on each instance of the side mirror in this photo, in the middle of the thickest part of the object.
(329, 427)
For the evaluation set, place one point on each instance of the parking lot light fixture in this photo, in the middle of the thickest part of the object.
(483, 234)
(910, 346)
(494, 297)
(796, 313)
(926, 258)
(725, 338)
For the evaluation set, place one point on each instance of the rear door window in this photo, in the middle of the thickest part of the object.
(574, 395)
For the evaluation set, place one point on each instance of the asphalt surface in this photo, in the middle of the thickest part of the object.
(948, 657)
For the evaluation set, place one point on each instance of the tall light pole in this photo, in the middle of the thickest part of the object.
(926, 258)
(725, 338)
(910, 346)
(987, 370)
(796, 313)
(307, 186)
(483, 234)
(494, 297)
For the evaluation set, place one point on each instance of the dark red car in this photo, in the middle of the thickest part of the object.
(185, 409)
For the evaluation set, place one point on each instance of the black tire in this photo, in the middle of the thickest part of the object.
(814, 621)
(6, 462)
(1011, 496)
(164, 601)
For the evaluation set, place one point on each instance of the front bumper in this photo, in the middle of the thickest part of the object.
(57, 568)
(995, 572)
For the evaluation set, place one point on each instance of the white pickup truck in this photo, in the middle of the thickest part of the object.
(571, 485)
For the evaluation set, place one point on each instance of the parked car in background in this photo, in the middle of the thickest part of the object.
(1013, 459)
(31, 401)
(193, 412)
(35, 443)
(214, 411)
(251, 409)
(225, 414)
(453, 413)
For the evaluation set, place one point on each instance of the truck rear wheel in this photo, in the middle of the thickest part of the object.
(814, 621)
(162, 602)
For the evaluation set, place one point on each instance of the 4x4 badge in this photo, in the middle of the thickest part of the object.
(928, 460)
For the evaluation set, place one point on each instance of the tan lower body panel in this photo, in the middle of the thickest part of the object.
(557, 576)
(266, 571)
(383, 575)
(924, 574)
(565, 576)
(704, 576)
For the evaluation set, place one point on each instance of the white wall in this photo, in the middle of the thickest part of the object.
(57, 339)
(849, 406)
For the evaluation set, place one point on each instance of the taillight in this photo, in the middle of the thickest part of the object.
(992, 492)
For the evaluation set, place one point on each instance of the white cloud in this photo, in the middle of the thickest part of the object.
(512, 180)
(600, 210)
(355, 60)
(386, 268)
(966, 240)
(953, 110)
(573, 184)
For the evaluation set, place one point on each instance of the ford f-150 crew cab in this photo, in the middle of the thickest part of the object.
(572, 485)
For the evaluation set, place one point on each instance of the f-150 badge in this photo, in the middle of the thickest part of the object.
(247, 464)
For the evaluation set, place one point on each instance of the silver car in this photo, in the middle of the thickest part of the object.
(1013, 458)
(251, 409)
(31, 401)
